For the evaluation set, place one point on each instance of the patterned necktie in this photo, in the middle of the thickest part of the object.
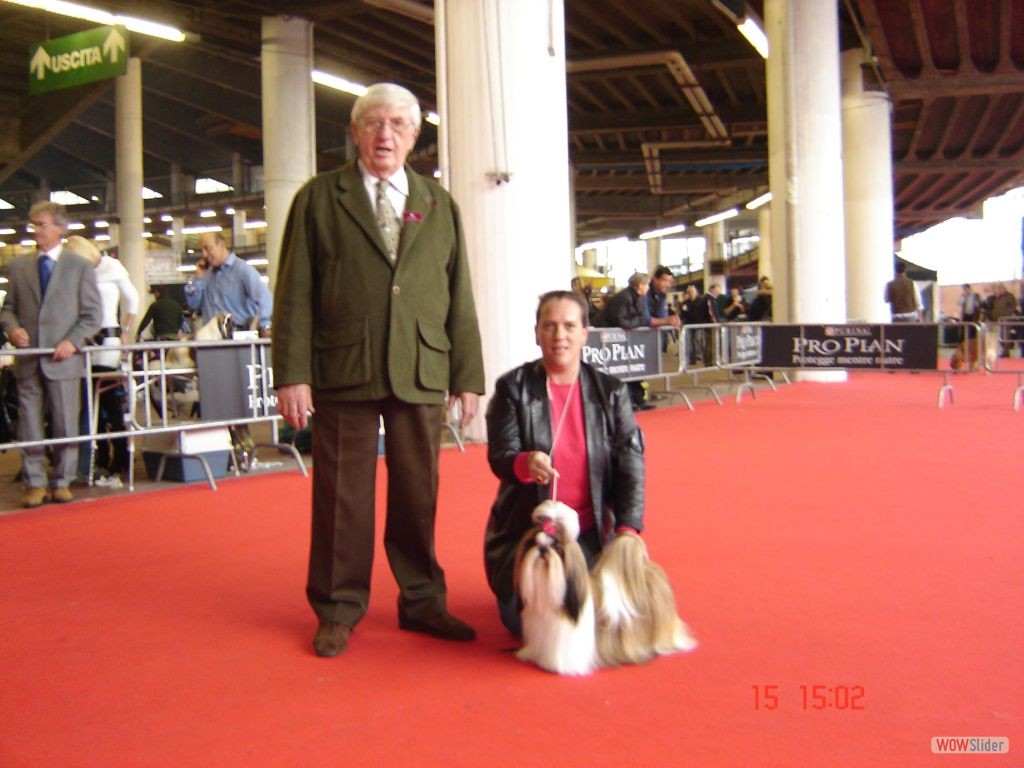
(387, 220)
(45, 270)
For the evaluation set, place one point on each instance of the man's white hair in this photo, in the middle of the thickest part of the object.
(390, 95)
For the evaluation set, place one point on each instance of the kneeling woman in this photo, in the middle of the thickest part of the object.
(559, 428)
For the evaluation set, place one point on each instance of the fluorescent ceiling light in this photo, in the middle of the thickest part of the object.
(602, 243)
(201, 229)
(207, 214)
(717, 217)
(337, 83)
(205, 186)
(255, 224)
(3, 279)
(663, 231)
(262, 262)
(751, 30)
(187, 268)
(74, 225)
(8, 231)
(433, 118)
(101, 224)
(142, 26)
(166, 217)
(4, 205)
(229, 211)
(150, 194)
(747, 22)
(757, 202)
(146, 220)
(101, 238)
(67, 197)
(147, 234)
(27, 243)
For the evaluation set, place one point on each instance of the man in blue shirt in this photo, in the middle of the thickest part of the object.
(226, 283)
(657, 299)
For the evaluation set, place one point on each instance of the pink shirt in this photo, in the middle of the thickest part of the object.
(569, 453)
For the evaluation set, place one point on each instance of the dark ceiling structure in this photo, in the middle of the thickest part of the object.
(643, 156)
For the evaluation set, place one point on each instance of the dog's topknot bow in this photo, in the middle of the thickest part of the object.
(557, 512)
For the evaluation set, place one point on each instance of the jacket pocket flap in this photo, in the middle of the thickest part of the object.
(434, 336)
(343, 334)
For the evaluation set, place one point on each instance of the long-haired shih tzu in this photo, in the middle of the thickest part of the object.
(575, 621)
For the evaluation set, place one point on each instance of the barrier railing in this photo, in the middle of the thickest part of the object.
(646, 354)
(145, 370)
(1001, 340)
(763, 350)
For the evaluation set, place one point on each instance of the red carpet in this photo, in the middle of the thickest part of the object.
(845, 535)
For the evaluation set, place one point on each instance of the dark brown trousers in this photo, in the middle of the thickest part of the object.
(344, 472)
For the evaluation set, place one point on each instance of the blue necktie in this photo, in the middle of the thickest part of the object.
(45, 270)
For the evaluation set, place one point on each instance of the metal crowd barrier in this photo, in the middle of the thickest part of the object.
(880, 347)
(1006, 336)
(645, 354)
(157, 364)
(762, 350)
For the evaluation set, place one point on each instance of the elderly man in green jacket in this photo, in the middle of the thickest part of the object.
(374, 319)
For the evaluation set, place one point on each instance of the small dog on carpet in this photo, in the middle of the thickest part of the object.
(575, 621)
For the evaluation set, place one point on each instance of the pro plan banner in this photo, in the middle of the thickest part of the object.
(743, 345)
(231, 386)
(623, 354)
(903, 346)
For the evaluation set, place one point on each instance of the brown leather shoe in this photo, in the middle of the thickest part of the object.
(34, 497)
(331, 638)
(62, 495)
(442, 625)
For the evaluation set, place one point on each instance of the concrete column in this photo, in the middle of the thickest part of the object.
(239, 234)
(177, 184)
(714, 254)
(764, 246)
(867, 183)
(805, 164)
(653, 254)
(177, 239)
(504, 127)
(128, 138)
(289, 131)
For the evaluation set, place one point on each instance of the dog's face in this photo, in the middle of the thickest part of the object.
(551, 571)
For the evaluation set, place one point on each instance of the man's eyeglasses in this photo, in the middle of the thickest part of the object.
(376, 125)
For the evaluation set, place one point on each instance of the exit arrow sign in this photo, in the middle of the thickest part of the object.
(78, 59)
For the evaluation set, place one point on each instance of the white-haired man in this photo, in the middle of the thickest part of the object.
(374, 319)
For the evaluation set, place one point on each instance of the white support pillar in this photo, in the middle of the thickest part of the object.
(653, 255)
(714, 253)
(177, 239)
(131, 248)
(764, 245)
(805, 165)
(289, 123)
(502, 90)
(867, 182)
(239, 234)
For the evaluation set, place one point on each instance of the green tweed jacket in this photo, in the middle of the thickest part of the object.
(356, 327)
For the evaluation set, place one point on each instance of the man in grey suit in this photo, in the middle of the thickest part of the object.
(374, 319)
(52, 301)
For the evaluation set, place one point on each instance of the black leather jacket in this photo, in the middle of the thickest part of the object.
(519, 419)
